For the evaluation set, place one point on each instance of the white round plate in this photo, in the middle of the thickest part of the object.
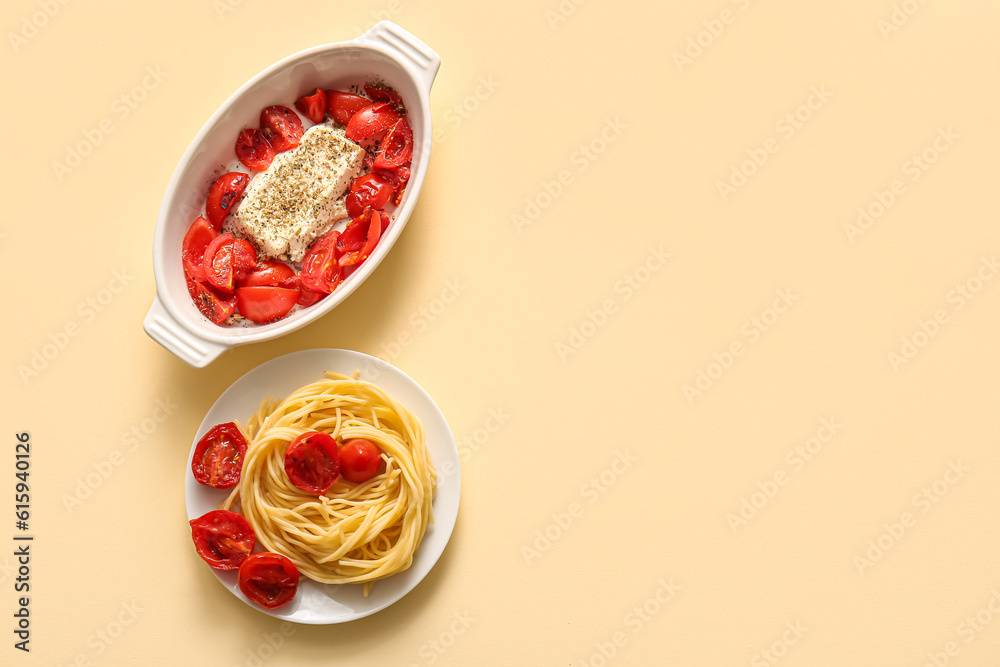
(316, 603)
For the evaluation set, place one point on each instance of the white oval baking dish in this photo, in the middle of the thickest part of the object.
(386, 52)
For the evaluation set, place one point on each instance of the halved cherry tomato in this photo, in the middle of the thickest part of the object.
(355, 234)
(244, 259)
(342, 106)
(219, 262)
(320, 271)
(307, 297)
(371, 123)
(196, 240)
(360, 460)
(268, 579)
(384, 94)
(269, 273)
(218, 457)
(213, 304)
(368, 190)
(265, 304)
(397, 147)
(224, 196)
(281, 127)
(313, 105)
(222, 538)
(312, 462)
(372, 235)
(253, 150)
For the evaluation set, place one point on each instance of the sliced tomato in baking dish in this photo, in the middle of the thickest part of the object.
(267, 273)
(373, 232)
(196, 240)
(384, 94)
(224, 196)
(215, 305)
(312, 462)
(222, 538)
(218, 457)
(253, 150)
(219, 262)
(397, 147)
(268, 579)
(244, 259)
(320, 271)
(372, 190)
(342, 106)
(370, 123)
(281, 126)
(313, 105)
(266, 303)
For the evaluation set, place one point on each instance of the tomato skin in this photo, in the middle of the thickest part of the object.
(313, 105)
(370, 123)
(265, 304)
(219, 263)
(320, 271)
(213, 304)
(222, 538)
(196, 240)
(397, 147)
(218, 456)
(342, 106)
(281, 127)
(384, 94)
(369, 190)
(372, 235)
(253, 150)
(312, 462)
(224, 196)
(360, 460)
(269, 273)
(244, 259)
(268, 579)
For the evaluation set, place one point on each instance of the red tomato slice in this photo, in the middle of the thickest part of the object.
(269, 273)
(355, 234)
(265, 304)
(372, 235)
(222, 538)
(371, 122)
(253, 150)
(368, 190)
(384, 94)
(312, 462)
(218, 457)
(244, 259)
(320, 272)
(219, 262)
(281, 127)
(224, 196)
(397, 147)
(360, 460)
(313, 105)
(268, 579)
(196, 240)
(342, 106)
(213, 304)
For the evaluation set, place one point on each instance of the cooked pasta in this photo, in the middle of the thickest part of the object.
(355, 533)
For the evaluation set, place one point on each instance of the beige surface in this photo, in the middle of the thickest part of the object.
(571, 324)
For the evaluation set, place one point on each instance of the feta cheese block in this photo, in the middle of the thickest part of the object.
(299, 197)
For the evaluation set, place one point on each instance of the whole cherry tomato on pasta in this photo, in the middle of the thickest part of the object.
(360, 460)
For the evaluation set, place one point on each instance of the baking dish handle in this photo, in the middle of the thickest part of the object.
(161, 326)
(407, 47)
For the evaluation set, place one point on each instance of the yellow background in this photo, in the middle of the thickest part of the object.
(546, 566)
